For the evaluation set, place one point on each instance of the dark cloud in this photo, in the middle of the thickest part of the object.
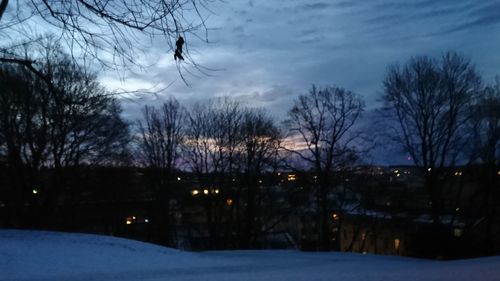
(271, 51)
(313, 6)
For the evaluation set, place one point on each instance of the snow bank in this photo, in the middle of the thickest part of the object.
(38, 255)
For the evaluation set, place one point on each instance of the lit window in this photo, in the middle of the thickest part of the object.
(335, 216)
(229, 201)
(291, 177)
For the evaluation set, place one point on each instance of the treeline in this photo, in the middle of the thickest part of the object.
(55, 122)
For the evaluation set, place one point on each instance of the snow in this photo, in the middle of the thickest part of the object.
(44, 256)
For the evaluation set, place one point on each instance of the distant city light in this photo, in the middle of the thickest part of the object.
(129, 220)
(178, 178)
(194, 192)
(430, 169)
(205, 191)
(35, 191)
(335, 216)
(457, 209)
(291, 177)
(146, 220)
(458, 173)
(229, 201)
(397, 243)
(216, 191)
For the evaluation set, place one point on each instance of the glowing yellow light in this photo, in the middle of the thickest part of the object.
(216, 191)
(291, 177)
(178, 178)
(498, 173)
(458, 173)
(35, 191)
(397, 243)
(279, 174)
(396, 171)
(129, 220)
(229, 201)
(194, 192)
(397, 175)
(335, 216)
(205, 191)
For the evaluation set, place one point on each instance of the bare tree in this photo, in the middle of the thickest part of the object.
(211, 150)
(161, 137)
(484, 126)
(259, 153)
(428, 101)
(484, 148)
(73, 122)
(111, 33)
(162, 133)
(322, 121)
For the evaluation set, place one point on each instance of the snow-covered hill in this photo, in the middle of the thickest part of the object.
(50, 256)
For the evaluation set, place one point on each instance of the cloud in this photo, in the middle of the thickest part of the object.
(271, 51)
(314, 6)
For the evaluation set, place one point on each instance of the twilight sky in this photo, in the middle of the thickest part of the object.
(269, 51)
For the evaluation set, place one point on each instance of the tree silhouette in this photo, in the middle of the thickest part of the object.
(322, 121)
(111, 33)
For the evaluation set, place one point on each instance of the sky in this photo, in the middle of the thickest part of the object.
(267, 52)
